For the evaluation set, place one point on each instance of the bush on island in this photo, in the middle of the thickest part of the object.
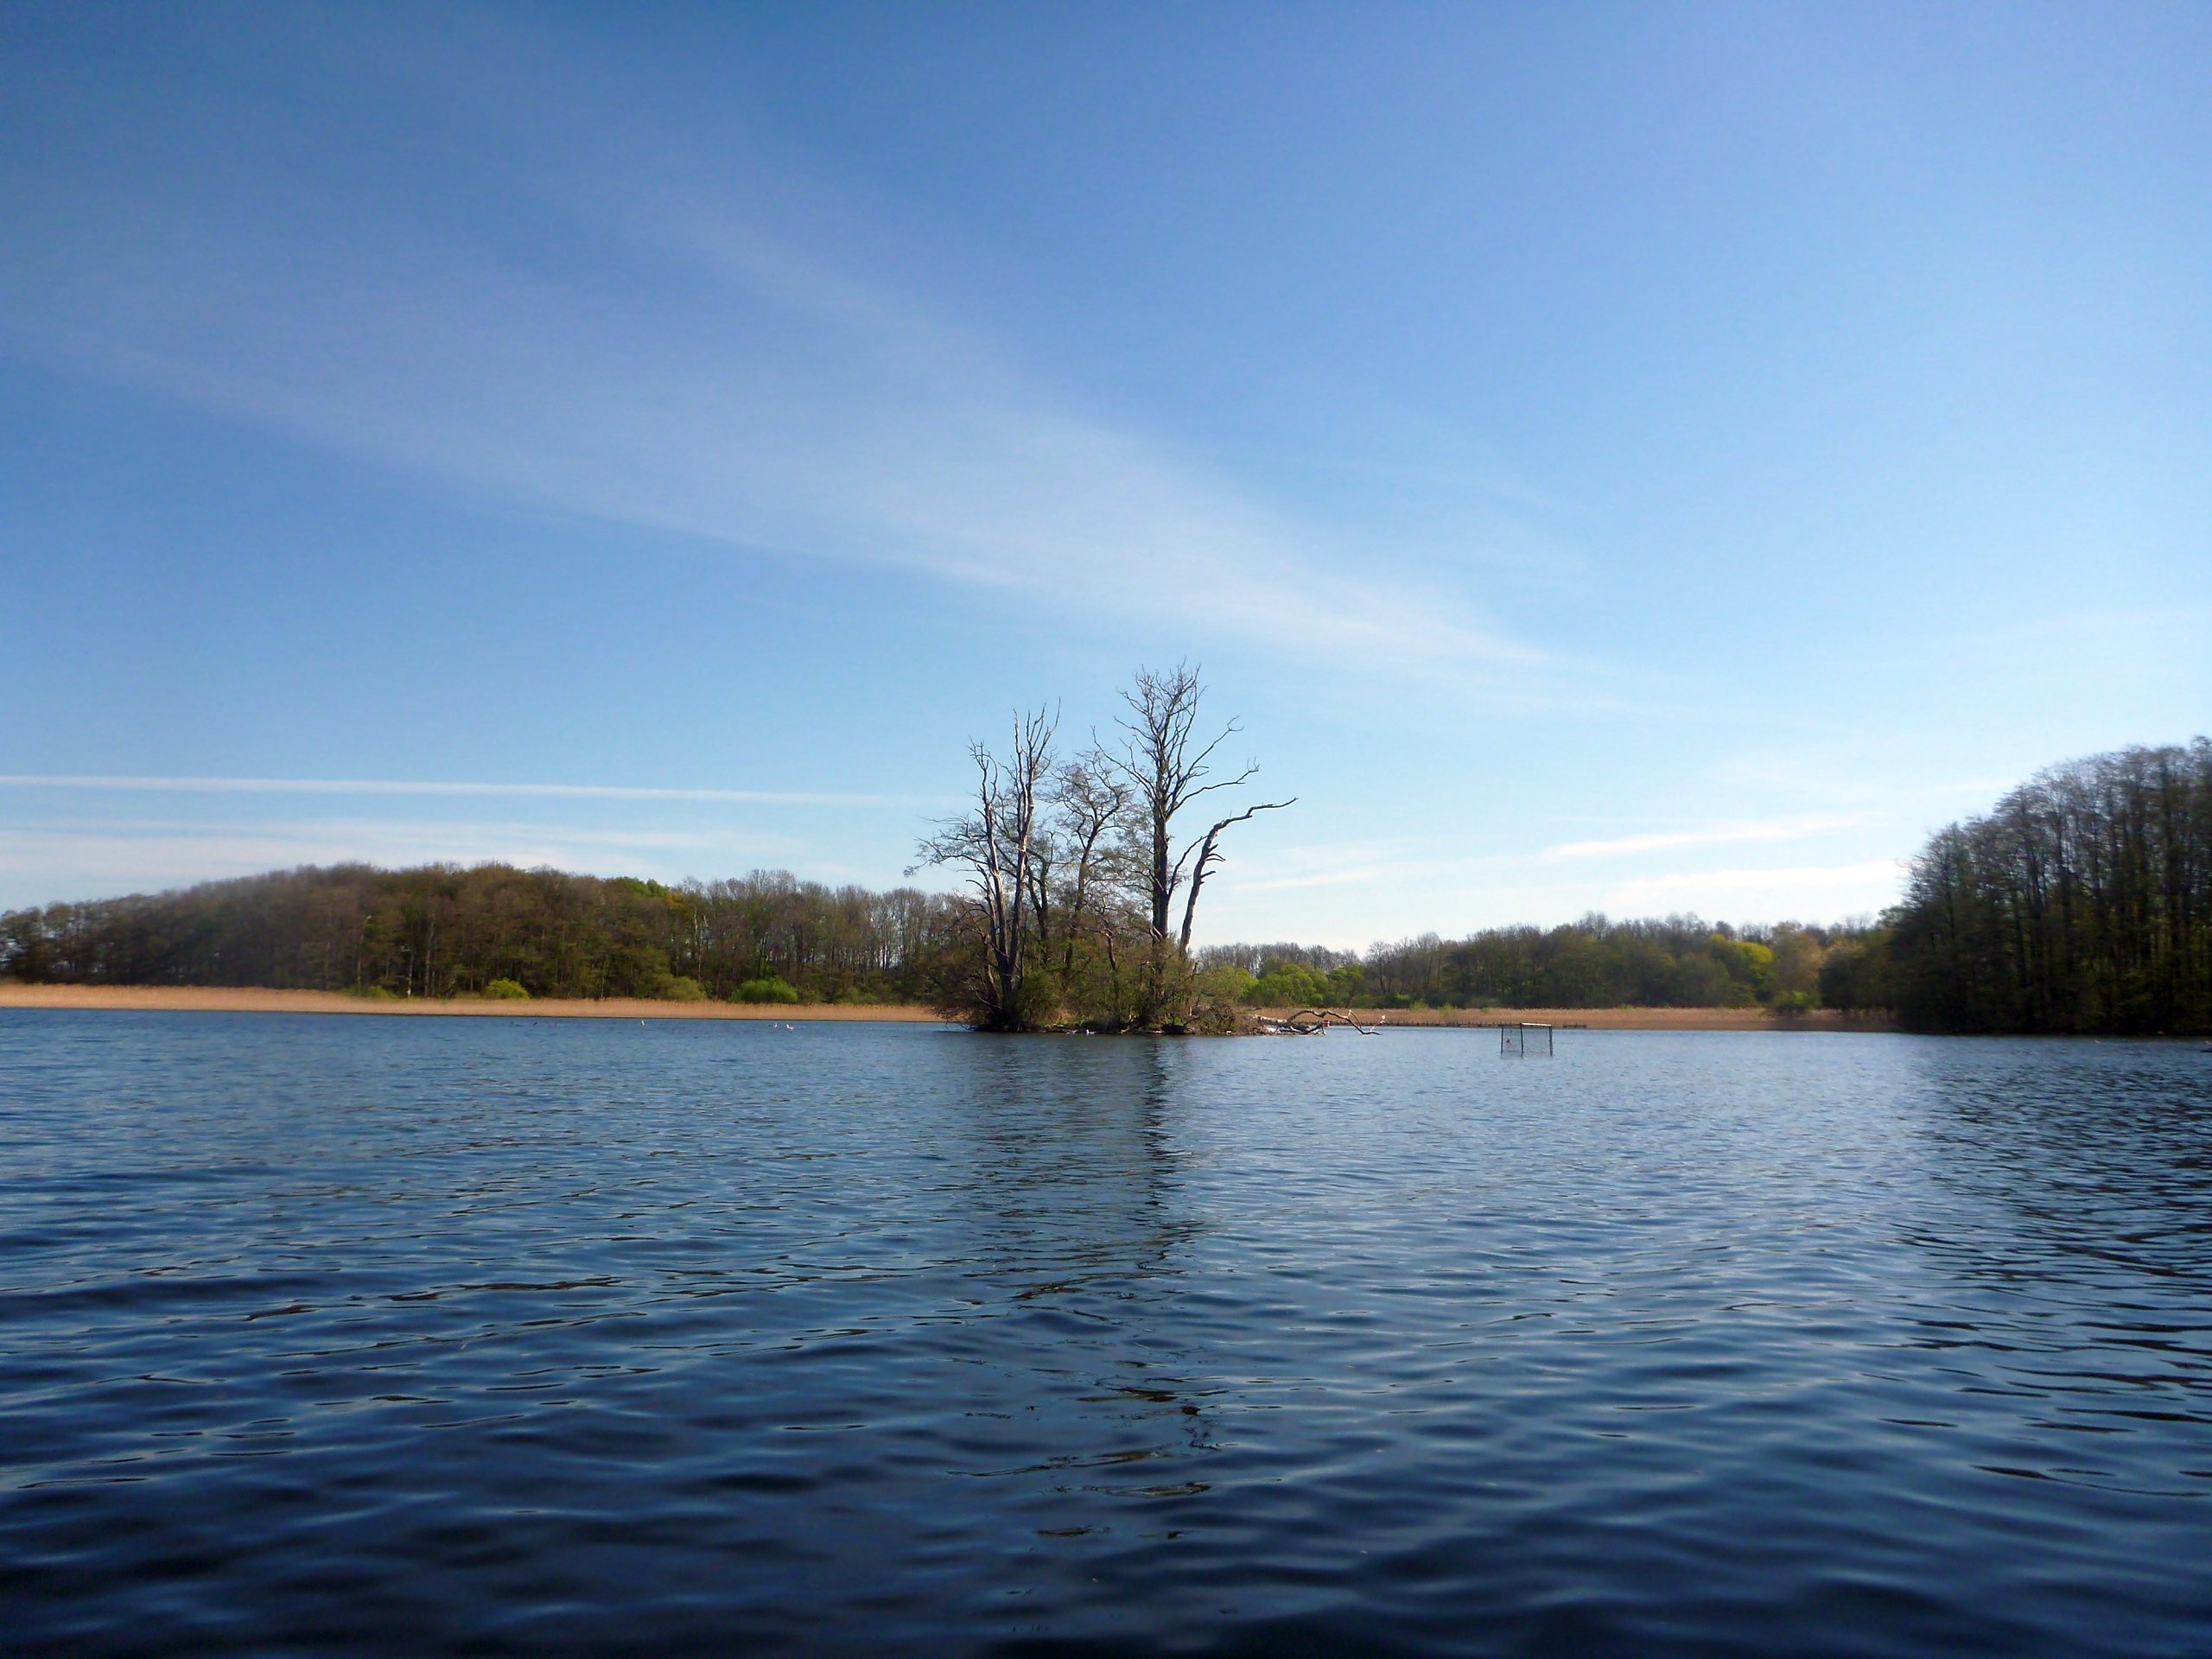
(770, 987)
(507, 990)
(678, 988)
(376, 994)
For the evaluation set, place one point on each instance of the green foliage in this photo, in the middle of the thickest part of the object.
(769, 987)
(1226, 984)
(2082, 902)
(442, 931)
(1040, 999)
(376, 994)
(439, 931)
(1692, 981)
(1795, 958)
(507, 990)
(679, 987)
(1748, 964)
(1857, 973)
(1101, 990)
(1289, 985)
(1679, 962)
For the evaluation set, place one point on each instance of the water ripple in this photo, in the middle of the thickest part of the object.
(514, 1336)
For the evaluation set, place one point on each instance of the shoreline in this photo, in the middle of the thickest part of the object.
(1609, 1019)
(208, 999)
(251, 1000)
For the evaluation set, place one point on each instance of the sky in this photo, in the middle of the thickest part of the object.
(1622, 458)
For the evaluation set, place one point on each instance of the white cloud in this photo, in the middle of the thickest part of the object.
(1714, 834)
(703, 362)
(1752, 894)
(1428, 860)
(1367, 863)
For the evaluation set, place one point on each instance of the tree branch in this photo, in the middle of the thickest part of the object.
(1210, 856)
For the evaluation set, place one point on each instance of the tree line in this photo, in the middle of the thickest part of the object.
(444, 930)
(1681, 961)
(2082, 902)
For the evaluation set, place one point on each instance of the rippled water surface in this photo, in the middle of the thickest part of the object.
(524, 1336)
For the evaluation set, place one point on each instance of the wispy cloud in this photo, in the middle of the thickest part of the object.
(1359, 863)
(473, 833)
(1868, 884)
(1797, 829)
(388, 786)
(693, 356)
(1429, 861)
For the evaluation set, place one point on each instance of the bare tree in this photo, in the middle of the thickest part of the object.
(997, 843)
(1090, 801)
(1167, 766)
(1208, 856)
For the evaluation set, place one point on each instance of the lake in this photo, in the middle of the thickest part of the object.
(488, 1336)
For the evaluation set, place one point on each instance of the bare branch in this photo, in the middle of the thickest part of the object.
(995, 842)
(1210, 856)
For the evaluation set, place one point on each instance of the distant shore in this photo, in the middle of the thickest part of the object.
(243, 999)
(1621, 1019)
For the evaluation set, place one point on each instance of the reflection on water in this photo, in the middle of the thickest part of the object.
(560, 1337)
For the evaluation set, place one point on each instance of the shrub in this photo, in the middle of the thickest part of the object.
(507, 990)
(1225, 984)
(376, 994)
(770, 987)
(1041, 998)
(678, 988)
(1289, 985)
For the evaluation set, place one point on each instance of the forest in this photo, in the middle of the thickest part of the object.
(1680, 962)
(444, 931)
(2082, 902)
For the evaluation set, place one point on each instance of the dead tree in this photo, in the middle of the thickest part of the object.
(997, 844)
(1090, 801)
(1166, 767)
(1208, 855)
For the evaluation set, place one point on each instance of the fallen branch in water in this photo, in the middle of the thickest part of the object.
(1309, 1022)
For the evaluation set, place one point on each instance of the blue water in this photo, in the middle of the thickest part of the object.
(478, 1336)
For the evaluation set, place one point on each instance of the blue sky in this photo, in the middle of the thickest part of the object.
(1635, 457)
